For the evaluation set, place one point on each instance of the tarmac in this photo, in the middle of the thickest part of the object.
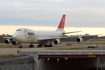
(84, 62)
(47, 49)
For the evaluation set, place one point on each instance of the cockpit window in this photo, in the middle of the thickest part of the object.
(18, 29)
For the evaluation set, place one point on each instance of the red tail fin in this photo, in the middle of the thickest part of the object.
(61, 24)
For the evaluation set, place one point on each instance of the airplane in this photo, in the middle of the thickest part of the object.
(43, 38)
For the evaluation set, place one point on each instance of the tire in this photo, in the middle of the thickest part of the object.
(31, 46)
(45, 45)
(20, 46)
(39, 45)
(49, 45)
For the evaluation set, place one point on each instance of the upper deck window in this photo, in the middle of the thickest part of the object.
(18, 29)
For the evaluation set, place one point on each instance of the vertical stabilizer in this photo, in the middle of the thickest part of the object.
(61, 24)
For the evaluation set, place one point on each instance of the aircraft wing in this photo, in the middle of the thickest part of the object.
(71, 32)
(46, 39)
(69, 37)
(8, 37)
(89, 35)
(52, 39)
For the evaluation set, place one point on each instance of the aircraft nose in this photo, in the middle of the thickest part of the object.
(14, 36)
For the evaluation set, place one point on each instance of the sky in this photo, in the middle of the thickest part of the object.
(85, 15)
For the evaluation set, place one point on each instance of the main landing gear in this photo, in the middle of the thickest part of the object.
(31, 46)
(46, 45)
(50, 45)
(39, 45)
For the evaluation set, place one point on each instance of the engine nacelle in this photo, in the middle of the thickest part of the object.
(57, 41)
(14, 43)
(7, 41)
(79, 39)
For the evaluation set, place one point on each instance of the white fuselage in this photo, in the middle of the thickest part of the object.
(24, 35)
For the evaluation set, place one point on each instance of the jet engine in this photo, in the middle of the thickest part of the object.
(79, 39)
(7, 41)
(14, 43)
(57, 41)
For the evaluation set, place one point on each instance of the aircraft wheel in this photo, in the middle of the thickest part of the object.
(45, 45)
(31, 46)
(39, 45)
(20, 46)
(49, 45)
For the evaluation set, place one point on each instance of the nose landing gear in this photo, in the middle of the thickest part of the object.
(20, 46)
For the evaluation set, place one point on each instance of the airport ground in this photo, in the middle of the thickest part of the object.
(9, 48)
(64, 47)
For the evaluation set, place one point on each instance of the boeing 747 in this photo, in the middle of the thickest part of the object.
(43, 38)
